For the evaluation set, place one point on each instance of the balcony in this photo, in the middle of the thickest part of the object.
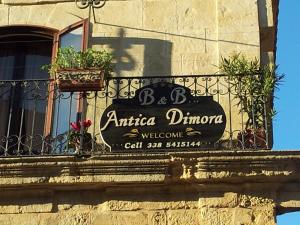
(35, 116)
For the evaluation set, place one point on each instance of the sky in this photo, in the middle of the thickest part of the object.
(287, 105)
(287, 120)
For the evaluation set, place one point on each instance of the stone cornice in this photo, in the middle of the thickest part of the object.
(35, 2)
(32, 2)
(160, 169)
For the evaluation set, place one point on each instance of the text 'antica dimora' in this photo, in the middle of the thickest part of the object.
(174, 116)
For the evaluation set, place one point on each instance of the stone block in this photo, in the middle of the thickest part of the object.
(19, 14)
(31, 2)
(289, 199)
(160, 15)
(264, 215)
(194, 16)
(255, 199)
(242, 216)
(157, 218)
(63, 15)
(40, 14)
(244, 43)
(213, 216)
(74, 218)
(235, 16)
(186, 217)
(4, 12)
(26, 201)
(120, 14)
(238, 28)
(20, 219)
(219, 200)
(189, 44)
(197, 63)
(122, 218)
(150, 203)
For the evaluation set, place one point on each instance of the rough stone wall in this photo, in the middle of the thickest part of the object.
(151, 37)
(154, 37)
(108, 207)
(200, 188)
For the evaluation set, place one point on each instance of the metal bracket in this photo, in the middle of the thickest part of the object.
(91, 4)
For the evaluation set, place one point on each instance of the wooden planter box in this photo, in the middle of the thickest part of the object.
(79, 80)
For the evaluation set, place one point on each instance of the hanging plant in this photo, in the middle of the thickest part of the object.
(80, 71)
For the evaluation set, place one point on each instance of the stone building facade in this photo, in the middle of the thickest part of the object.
(152, 37)
(208, 188)
(161, 37)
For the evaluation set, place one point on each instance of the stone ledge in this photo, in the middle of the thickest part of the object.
(35, 2)
(32, 2)
(152, 168)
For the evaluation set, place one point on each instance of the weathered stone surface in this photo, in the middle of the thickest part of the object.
(212, 216)
(188, 37)
(32, 2)
(186, 217)
(242, 216)
(156, 168)
(256, 199)
(22, 219)
(152, 202)
(25, 201)
(264, 215)
(78, 199)
(238, 28)
(155, 15)
(219, 200)
(62, 15)
(18, 15)
(199, 32)
(124, 218)
(192, 20)
(153, 37)
(4, 12)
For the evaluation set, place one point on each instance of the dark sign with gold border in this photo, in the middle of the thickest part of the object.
(162, 116)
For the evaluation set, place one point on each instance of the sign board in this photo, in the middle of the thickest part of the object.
(162, 116)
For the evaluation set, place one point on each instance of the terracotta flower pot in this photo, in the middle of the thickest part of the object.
(86, 142)
(252, 139)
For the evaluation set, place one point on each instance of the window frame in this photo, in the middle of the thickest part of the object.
(54, 35)
(56, 42)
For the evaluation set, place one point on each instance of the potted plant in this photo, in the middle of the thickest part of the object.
(75, 134)
(254, 87)
(80, 71)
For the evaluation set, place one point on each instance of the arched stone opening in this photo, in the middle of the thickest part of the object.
(23, 51)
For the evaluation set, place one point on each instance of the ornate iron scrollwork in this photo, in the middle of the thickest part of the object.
(83, 4)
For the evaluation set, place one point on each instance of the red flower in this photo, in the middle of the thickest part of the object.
(77, 125)
(87, 123)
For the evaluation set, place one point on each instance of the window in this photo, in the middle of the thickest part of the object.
(68, 107)
(28, 113)
(22, 115)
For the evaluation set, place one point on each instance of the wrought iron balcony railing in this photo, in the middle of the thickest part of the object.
(35, 116)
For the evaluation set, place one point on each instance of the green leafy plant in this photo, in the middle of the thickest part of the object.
(69, 58)
(254, 87)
